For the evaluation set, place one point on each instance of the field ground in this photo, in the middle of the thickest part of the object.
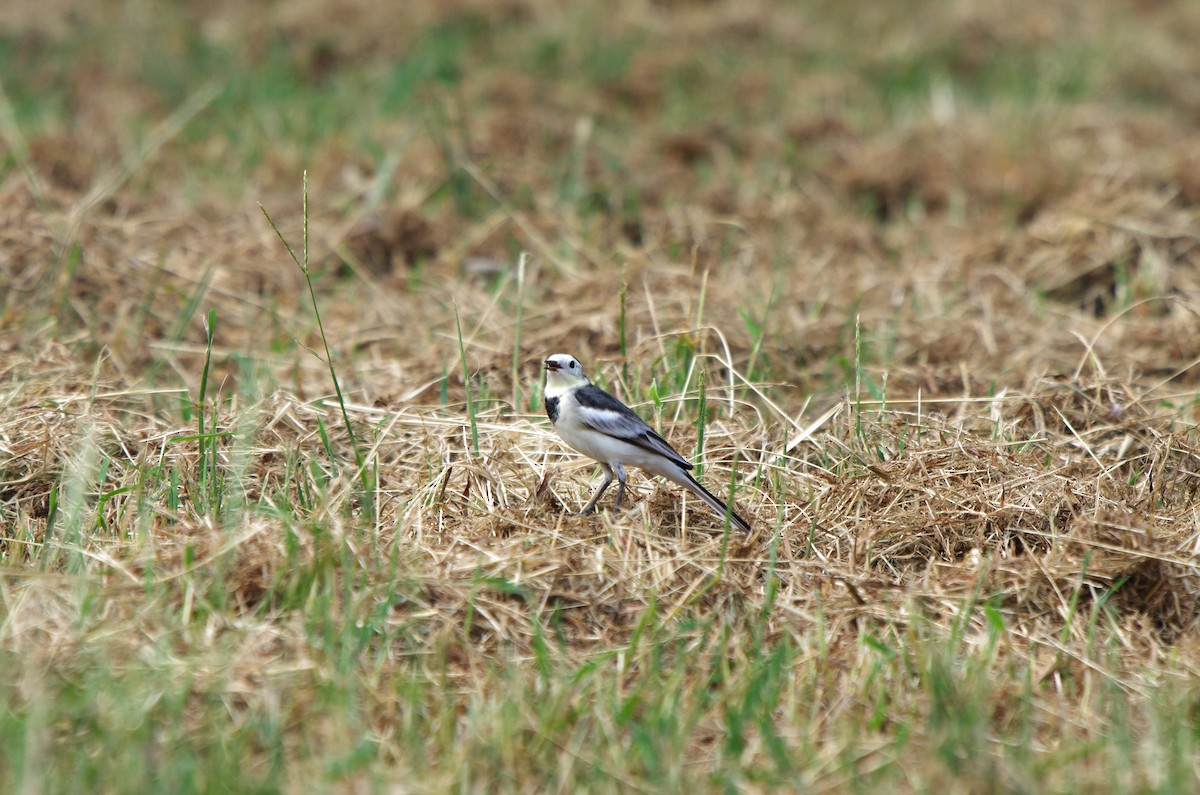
(919, 283)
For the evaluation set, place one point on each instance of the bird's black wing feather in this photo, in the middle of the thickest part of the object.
(610, 416)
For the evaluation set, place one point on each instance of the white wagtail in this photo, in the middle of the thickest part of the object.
(603, 428)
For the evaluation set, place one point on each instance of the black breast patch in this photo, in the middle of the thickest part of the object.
(552, 408)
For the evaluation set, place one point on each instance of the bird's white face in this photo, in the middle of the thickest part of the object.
(563, 371)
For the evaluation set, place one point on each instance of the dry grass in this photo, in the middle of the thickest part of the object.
(940, 309)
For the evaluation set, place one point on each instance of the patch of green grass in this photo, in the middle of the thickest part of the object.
(37, 80)
(146, 725)
(631, 716)
(1001, 77)
(438, 57)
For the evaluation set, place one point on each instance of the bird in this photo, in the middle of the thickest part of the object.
(603, 428)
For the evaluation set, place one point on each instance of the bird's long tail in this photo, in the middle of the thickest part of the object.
(685, 479)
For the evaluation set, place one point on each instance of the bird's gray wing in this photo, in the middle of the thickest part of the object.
(604, 413)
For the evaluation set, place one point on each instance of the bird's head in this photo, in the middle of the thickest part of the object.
(563, 371)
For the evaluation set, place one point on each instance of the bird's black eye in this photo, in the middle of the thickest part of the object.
(574, 364)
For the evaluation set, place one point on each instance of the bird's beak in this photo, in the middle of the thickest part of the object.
(551, 365)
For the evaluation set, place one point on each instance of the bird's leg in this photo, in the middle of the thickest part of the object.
(608, 478)
(620, 484)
